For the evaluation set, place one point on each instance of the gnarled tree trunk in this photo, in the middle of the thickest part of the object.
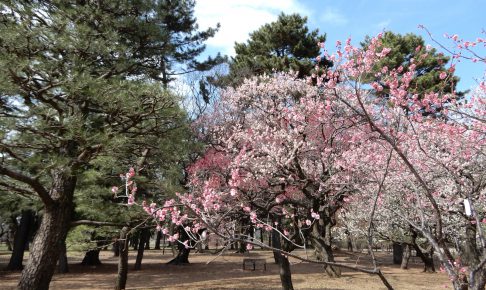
(320, 239)
(426, 257)
(51, 234)
(407, 252)
(92, 256)
(183, 251)
(21, 239)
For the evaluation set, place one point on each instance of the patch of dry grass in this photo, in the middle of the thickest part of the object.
(226, 273)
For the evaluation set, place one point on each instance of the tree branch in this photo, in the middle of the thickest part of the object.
(34, 183)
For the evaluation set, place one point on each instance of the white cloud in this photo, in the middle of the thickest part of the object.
(334, 17)
(240, 17)
(383, 25)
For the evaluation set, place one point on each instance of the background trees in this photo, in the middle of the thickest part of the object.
(83, 95)
(424, 171)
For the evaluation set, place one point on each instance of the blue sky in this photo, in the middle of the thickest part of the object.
(340, 19)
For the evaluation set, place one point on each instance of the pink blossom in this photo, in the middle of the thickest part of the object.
(131, 199)
(114, 189)
(443, 75)
(308, 222)
(186, 244)
(131, 172)
(249, 247)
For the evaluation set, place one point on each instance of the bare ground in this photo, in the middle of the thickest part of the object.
(225, 272)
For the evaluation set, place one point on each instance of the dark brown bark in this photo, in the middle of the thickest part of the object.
(147, 241)
(63, 266)
(349, 241)
(183, 251)
(134, 240)
(427, 257)
(320, 239)
(91, 258)
(157, 240)
(51, 234)
(283, 263)
(116, 248)
(407, 252)
(144, 237)
(182, 257)
(261, 236)
(285, 273)
(21, 239)
(121, 279)
(397, 253)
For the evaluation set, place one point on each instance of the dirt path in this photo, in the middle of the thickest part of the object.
(226, 273)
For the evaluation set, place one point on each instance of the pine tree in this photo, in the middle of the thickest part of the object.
(407, 49)
(82, 82)
(283, 45)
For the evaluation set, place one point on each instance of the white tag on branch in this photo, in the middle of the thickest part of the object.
(467, 207)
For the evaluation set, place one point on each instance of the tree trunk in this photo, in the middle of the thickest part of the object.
(147, 240)
(91, 258)
(397, 253)
(144, 237)
(478, 281)
(321, 241)
(261, 237)
(21, 239)
(121, 279)
(50, 236)
(283, 263)
(285, 274)
(157, 240)
(349, 241)
(116, 248)
(471, 256)
(407, 252)
(63, 261)
(426, 257)
(134, 240)
(469, 248)
(183, 252)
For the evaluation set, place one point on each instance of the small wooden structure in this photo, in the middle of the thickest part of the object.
(254, 264)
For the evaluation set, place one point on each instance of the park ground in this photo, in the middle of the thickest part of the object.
(225, 272)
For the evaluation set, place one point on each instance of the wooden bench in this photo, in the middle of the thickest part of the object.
(253, 264)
